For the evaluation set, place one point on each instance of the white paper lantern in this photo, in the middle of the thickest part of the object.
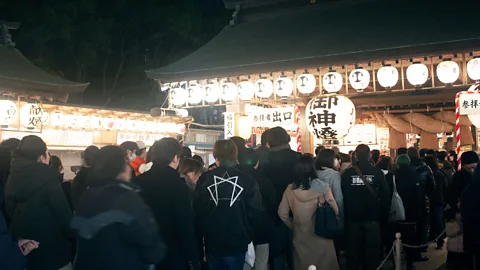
(283, 86)
(178, 96)
(332, 82)
(212, 92)
(108, 123)
(96, 122)
(229, 91)
(244, 127)
(84, 121)
(246, 90)
(387, 76)
(195, 94)
(473, 69)
(264, 88)
(417, 74)
(306, 83)
(57, 119)
(359, 79)
(8, 112)
(330, 117)
(32, 116)
(448, 71)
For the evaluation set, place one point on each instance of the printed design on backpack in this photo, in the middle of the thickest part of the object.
(218, 187)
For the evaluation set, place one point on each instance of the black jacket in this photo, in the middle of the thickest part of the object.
(169, 198)
(79, 184)
(427, 180)
(439, 195)
(461, 180)
(115, 229)
(360, 204)
(39, 211)
(469, 204)
(408, 187)
(11, 258)
(228, 205)
(263, 152)
(263, 233)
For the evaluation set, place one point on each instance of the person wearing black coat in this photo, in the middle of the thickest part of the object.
(115, 228)
(469, 205)
(80, 182)
(169, 198)
(462, 178)
(38, 207)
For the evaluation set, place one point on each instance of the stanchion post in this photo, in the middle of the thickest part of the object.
(398, 251)
(312, 267)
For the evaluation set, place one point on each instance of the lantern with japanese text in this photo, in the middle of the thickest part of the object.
(178, 96)
(246, 90)
(387, 76)
(473, 69)
(264, 88)
(229, 91)
(212, 92)
(417, 74)
(306, 83)
(448, 71)
(359, 79)
(244, 127)
(8, 113)
(195, 94)
(332, 82)
(331, 117)
(283, 87)
(32, 116)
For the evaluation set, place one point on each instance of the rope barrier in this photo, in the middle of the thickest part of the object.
(386, 258)
(427, 244)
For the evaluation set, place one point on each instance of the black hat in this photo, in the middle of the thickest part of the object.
(469, 157)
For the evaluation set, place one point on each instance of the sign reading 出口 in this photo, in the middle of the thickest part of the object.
(274, 117)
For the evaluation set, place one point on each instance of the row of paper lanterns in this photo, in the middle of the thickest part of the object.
(33, 116)
(417, 74)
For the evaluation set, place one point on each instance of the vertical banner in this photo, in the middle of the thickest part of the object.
(229, 124)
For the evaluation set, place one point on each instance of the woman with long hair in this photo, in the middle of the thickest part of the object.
(300, 199)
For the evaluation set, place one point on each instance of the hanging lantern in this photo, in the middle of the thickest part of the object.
(244, 127)
(473, 69)
(264, 88)
(306, 83)
(195, 94)
(83, 121)
(387, 76)
(229, 91)
(332, 82)
(33, 116)
(96, 122)
(8, 113)
(246, 90)
(359, 79)
(448, 72)
(417, 74)
(212, 92)
(178, 96)
(283, 87)
(57, 119)
(330, 118)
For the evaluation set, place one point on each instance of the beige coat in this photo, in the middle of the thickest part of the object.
(309, 249)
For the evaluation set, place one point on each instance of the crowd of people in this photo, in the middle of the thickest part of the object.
(134, 208)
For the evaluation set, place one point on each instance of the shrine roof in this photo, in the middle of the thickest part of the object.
(312, 36)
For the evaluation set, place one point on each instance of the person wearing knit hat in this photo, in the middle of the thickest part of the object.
(462, 178)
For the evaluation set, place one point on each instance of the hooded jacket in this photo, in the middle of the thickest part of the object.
(334, 180)
(39, 211)
(461, 180)
(408, 188)
(115, 229)
(79, 184)
(427, 180)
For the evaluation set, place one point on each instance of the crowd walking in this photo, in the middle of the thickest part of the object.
(137, 208)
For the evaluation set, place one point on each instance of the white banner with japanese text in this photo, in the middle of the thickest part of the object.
(469, 103)
(274, 117)
(229, 124)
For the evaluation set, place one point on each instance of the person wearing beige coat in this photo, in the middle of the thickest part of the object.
(302, 201)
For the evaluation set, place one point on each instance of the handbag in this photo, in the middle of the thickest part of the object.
(397, 210)
(326, 222)
(250, 255)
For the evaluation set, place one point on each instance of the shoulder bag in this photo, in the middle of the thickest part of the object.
(326, 222)
(397, 210)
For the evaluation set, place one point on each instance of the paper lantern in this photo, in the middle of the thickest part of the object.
(108, 123)
(448, 72)
(96, 122)
(387, 76)
(306, 83)
(283, 87)
(83, 121)
(330, 117)
(359, 79)
(8, 112)
(195, 94)
(264, 88)
(212, 92)
(332, 82)
(229, 91)
(417, 74)
(244, 127)
(33, 116)
(57, 119)
(246, 90)
(473, 69)
(178, 96)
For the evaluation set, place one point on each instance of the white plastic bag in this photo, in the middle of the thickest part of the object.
(397, 210)
(250, 255)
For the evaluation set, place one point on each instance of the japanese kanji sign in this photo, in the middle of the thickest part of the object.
(330, 117)
(274, 117)
(469, 104)
(33, 116)
(229, 124)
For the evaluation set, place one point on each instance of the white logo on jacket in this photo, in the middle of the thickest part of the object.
(358, 181)
(226, 179)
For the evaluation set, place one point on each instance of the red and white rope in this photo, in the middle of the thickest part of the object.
(298, 134)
